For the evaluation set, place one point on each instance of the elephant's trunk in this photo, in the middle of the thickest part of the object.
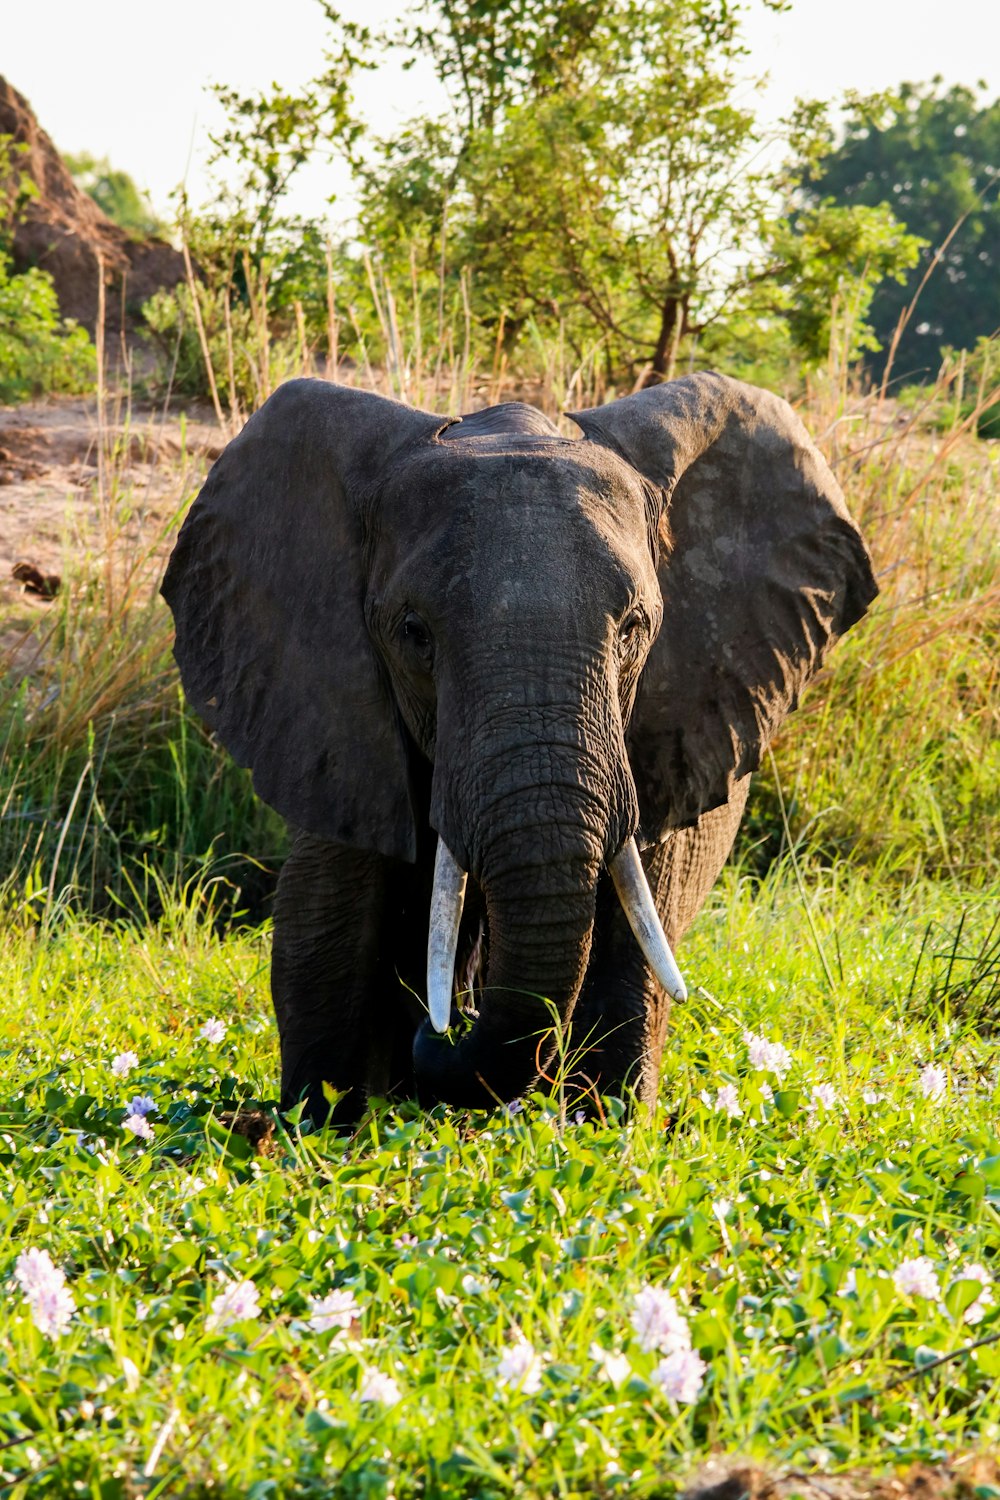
(540, 915)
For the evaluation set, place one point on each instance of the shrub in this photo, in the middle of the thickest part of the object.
(40, 352)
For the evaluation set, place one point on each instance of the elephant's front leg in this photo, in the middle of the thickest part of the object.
(620, 1020)
(336, 1021)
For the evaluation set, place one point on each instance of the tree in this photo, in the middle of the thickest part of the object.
(595, 168)
(933, 155)
(115, 192)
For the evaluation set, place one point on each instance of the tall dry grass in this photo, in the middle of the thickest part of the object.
(110, 788)
(895, 756)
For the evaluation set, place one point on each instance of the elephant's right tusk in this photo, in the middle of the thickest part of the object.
(637, 903)
(447, 901)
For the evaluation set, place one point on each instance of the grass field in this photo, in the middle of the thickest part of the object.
(829, 1251)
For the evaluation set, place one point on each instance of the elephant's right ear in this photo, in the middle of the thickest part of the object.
(267, 589)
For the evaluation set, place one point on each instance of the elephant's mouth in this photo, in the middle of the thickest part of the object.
(458, 938)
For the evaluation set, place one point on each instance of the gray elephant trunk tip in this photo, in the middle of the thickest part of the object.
(448, 898)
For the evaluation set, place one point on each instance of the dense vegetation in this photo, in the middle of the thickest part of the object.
(934, 154)
(458, 1307)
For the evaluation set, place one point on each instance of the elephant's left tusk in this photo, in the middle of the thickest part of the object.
(637, 903)
(447, 901)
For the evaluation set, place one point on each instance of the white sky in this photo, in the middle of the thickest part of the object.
(128, 80)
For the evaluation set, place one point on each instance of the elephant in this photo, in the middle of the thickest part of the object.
(508, 688)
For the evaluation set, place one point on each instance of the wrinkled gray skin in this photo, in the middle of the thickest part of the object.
(532, 646)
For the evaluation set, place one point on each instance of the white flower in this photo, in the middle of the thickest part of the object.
(472, 1286)
(520, 1367)
(615, 1368)
(657, 1322)
(378, 1387)
(233, 1304)
(824, 1096)
(767, 1057)
(680, 1375)
(976, 1311)
(335, 1310)
(728, 1100)
(44, 1286)
(122, 1065)
(139, 1126)
(766, 1092)
(131, 1372)
(142, 1104)
(849, 1285)
(933, 1083)
(917, 1278)
(213, 1031)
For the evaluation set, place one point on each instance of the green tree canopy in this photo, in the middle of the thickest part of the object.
(598, 167)
(933, 155)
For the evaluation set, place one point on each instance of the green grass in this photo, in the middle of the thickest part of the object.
(754, 1225)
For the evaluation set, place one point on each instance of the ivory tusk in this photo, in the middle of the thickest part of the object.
(447, 900)
(637, 903)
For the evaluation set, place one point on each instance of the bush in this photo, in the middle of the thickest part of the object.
(39, 351)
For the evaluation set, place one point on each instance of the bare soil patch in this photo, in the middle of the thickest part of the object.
(70, 486)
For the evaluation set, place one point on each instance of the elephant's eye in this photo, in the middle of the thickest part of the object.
(418, 638)
(633, 628)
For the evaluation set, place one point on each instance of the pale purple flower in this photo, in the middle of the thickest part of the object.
(378, 1387)
(142, 1104)
(52, 1310)
(767, 1057)
(917, 1278)
(766, 1092)
(236, 1303)
(657, 1322)
(520, 1367)
(335, 1310)
(680, 1376)
(615, 1368)
(122, 1065)
(933, 1083)
(139, 1127)
(727, 1100)
(872, 1096)
(44, 1286)
(35, 1269)
(976, 1311)
(824, 1096)
(213, 1031)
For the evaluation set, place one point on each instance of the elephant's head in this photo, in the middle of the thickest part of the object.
(589, 640)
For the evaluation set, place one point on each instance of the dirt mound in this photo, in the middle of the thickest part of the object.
(65, 233)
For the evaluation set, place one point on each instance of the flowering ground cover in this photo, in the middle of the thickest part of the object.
(794, 1262)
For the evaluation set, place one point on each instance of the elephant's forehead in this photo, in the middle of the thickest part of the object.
(495, 482)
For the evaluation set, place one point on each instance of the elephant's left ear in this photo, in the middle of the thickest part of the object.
(765, 570)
